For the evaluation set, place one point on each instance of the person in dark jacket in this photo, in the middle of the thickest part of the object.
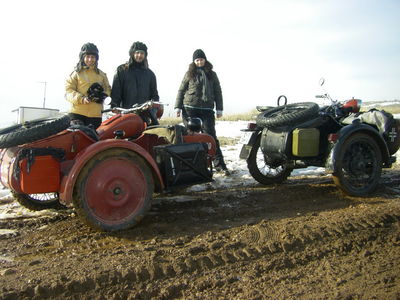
(133, 81)
(199, 93)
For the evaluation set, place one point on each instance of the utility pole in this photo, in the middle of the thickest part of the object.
(44, 97)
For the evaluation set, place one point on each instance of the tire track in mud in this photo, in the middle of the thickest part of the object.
(267, 240)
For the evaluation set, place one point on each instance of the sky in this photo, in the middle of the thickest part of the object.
(260, 49)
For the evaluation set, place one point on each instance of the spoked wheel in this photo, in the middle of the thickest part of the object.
(38, 202)
(261, 171)
(358, 165)
(114, 190)
(289, 114)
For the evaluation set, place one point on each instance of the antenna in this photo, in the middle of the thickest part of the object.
(44, 96)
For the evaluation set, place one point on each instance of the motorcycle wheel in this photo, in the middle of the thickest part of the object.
(31, 131)
(289, 114)
(261, 171)
(114, 190)
(358, 165)
(37, 202)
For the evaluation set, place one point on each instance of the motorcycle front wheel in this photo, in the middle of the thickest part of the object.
(261, 171)
(358, 165)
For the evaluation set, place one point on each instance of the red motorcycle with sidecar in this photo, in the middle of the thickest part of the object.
(108, 175)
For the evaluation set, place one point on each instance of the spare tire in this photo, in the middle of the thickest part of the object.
(31, 131)
(289, 114)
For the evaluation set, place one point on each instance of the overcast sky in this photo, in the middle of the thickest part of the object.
(260, 49)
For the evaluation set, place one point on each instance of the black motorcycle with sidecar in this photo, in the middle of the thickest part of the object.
(353, 146)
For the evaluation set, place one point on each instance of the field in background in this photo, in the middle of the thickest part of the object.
(390, 108)
(251, 115)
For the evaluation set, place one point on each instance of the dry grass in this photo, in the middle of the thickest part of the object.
(248, 116)
(393, 109)
(251, 115)
(170, 121)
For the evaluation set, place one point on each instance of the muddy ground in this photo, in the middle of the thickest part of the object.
(300, 240)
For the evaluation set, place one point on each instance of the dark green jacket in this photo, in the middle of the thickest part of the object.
(190, 93)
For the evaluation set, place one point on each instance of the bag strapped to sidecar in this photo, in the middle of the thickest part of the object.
(183, 164)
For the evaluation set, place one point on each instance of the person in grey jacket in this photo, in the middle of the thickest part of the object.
(198, 95)
(133, 81)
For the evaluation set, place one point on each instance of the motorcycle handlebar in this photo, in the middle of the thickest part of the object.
(135, 108)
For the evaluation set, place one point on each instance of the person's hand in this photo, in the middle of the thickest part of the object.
(219, 113)
(85, 100)
(178, 112)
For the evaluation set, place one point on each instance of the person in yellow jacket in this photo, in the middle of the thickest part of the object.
(86, 88)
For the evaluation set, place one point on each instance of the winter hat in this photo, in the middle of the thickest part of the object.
(89, 48)
(138, 46)
(199, 54)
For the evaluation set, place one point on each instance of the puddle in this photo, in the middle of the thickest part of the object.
(6, 258)
(7, 233)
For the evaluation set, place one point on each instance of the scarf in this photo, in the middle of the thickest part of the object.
(205, 85)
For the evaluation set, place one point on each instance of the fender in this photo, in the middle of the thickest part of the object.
(348, 130)
(245, 152)
(68, 181)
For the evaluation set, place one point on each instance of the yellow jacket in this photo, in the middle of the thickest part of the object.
(76, 88)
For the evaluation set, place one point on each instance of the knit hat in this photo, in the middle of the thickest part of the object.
(89, 48)
(138, 46)
(199, 54)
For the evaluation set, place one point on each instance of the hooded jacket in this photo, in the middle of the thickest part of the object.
(76, 88)
(133, 83)
(190, 93)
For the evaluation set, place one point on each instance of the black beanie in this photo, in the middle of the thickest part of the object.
(89, 48)
(199, 54)
(138, 46)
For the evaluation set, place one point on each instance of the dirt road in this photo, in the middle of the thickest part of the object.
(300, 240)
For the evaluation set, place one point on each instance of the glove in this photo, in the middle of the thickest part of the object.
(96, 93)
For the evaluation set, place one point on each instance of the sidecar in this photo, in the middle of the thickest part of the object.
(353, 147)
(108, 175)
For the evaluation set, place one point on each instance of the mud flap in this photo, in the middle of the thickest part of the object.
(183, 164)
(245, 152)
(246, 148)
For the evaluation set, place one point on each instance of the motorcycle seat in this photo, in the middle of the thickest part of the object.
(263, 108)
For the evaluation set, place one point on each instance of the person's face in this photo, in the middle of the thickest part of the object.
(90, 60)
(139, 56)
(199, 62)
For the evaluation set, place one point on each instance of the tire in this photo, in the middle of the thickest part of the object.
(113, 190)
(38, 202)
(32, 131)
(261, 171)
(289, 114)
(358, 166)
